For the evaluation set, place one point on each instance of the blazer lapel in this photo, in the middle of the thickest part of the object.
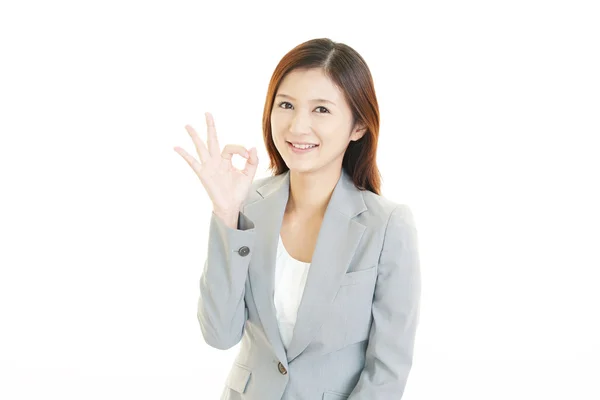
(331, 258)
(267, 214)
(337, 241)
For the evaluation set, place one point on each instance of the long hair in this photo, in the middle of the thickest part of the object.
(349, 71)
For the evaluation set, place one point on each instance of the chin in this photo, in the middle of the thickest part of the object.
(302, 169)
(298, 168)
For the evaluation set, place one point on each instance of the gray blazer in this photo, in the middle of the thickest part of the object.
(357, 320)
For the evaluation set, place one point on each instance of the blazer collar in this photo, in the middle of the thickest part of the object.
(331, 258)
(346, 197)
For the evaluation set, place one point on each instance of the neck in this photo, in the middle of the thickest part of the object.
(310, 192)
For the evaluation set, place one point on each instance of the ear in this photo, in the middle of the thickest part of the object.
(358, 132)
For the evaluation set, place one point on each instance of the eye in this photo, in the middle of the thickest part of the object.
(323, 108)
(284, 102)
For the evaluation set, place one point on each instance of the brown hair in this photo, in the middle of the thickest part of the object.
(349, 71)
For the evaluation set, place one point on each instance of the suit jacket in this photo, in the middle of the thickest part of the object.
(356, 324)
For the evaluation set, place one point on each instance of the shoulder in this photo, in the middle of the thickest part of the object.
(385, 211)
(257, 183)
(399, 243)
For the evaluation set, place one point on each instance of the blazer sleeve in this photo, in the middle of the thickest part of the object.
(395, 309)
(222, 311)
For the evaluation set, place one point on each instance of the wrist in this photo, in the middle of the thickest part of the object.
(229, 218)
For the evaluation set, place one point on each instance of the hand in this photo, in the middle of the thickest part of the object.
(226, 185)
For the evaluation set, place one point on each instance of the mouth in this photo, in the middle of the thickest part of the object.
(303, 149)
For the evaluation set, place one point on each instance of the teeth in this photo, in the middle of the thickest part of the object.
(304, 146)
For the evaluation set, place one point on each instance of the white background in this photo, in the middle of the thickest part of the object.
(489, 129)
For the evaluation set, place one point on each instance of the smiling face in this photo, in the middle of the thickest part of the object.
(310, 109)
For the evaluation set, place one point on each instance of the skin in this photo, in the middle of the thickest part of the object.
(299, 117)
(309, 108)
(226, 185)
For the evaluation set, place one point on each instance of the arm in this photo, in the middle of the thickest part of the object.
(222, 310)
(396, 306)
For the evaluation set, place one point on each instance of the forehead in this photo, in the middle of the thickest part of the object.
(307, 84)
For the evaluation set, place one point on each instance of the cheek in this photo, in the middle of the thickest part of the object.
(277, 123)
(330, 132)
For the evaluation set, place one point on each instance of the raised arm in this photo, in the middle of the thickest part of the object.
(222, 310)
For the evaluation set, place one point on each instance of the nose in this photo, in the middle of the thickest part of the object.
(300, 123)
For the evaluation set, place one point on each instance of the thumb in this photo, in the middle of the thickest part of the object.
(251, 162)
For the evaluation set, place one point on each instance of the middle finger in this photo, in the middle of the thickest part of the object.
(213, 142)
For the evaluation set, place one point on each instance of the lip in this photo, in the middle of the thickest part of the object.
(300, 142)
(301, 151)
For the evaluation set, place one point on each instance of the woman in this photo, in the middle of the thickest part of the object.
(311, 269)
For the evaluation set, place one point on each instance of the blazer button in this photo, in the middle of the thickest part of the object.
(281, 369)
(244, 251)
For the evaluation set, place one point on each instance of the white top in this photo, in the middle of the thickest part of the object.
(290, 279)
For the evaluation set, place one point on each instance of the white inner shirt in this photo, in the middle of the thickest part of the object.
(290, 279)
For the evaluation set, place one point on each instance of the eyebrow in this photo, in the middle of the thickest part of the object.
(313, 100)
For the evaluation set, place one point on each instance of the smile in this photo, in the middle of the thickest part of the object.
(301, 149)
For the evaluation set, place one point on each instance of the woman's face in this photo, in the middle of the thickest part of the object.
(310, 109)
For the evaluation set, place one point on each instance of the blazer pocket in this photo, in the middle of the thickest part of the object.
(329, 395)
(362, 275)
(238, 377)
